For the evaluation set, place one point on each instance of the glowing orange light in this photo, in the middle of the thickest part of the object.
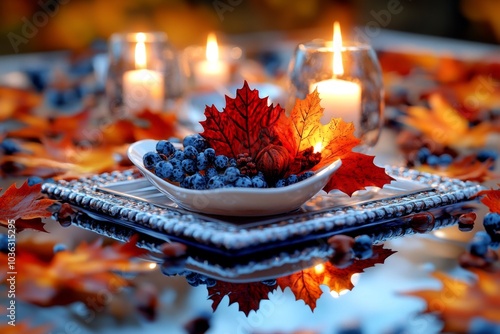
(338, 68)
(140, 51)
(212, 51)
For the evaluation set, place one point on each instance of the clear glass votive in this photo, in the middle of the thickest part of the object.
(355, 92)
(144, 73)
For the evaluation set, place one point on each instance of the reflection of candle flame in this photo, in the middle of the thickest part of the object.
(212, 51)
(152, 265)
(318, 147)
(338, 68)
(140, 51)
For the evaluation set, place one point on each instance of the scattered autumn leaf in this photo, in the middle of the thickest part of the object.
(305, 284)
(242, 125)
(15, 102)
(25, 206)
(246, 295)
(467, 168)
(443, 124)
(457, 302)
(491, 199)
(83, 274)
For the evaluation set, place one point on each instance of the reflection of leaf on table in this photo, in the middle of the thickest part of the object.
(306, 284)
(25, 206)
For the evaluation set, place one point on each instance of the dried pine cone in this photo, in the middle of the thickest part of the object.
(246, 164)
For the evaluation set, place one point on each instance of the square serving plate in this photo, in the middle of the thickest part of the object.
(126, 199)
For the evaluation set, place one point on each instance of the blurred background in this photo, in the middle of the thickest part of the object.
(43, 25)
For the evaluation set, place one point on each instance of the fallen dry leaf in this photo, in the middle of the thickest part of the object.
(491, 199)
(467, 168)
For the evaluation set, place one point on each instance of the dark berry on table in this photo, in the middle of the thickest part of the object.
(445, 159)
(362, 247)
(259, 182)
(59, 248)
(209, 154)
(179, 155)
(176, 163)
(178, 175)
(187, 182)
(269, 282)
(189, 166)
(32, 180)
(305, 175)
(195, 140)
(281, 183)
(150, 159)
(190, 152)
(165, 147)
(231, 174)
(423, 154)
(201, 161)
(243, 182)
(216, 182)
(199, 182)
(491, 224)
(221, 162)
(164, 169)
(211, 172)
(9, 146)
(432, 160)
(479, 244)
(486, 154)
(292, 179)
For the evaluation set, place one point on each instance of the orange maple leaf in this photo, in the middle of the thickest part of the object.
(457, 303)
(306, 284)
(16, 103)
(491, 199)
(445, 125)
(246, 295)
(467, 168)
(83, 274)
(24, 207)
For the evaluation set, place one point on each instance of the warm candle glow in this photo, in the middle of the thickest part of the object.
(319, 269)
(212, 52)
(140, 51)
(317, 147)
(338, 68)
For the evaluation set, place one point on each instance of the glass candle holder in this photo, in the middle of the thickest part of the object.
(355, 93)
(144, 73)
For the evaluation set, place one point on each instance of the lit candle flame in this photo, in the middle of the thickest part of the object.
(317, 147)
(338, 68)
(212, 52)
(319, 269)
(140, 51)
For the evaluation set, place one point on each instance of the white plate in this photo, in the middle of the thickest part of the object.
(234, 201)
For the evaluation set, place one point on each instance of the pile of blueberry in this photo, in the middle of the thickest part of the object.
(425, 156)
(198, 167)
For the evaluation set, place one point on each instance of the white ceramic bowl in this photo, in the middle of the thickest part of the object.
(234, 201)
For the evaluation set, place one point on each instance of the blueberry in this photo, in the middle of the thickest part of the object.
(423, 154)
(189, 166)
(9, 146)
(362, 247)
(305, 175)
(179, 155)
(432, 160)
(479, 244)
(187, 182)
(202, 161)
(481, 326)
(150, 159)
(269, 282)
(210, 282)
(210, 154)
(195, 140)
(243, 182)
(445, 159)
(486, 154)
(164, 169)
(231, 174)
(211, 172)
(178, 175)
(216, 182)
(281, 183)
(165, 147)
(176, 163)
(193, 279)
(32, 180)
(190, 152)
(59, 248)
(232, 162)
(221, 162)
(199, 181)
(491, 224)
(259, 182)
(292, 179)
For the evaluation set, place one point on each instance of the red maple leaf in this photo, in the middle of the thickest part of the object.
(24, 206)
(246, 295)
(242, 125)
(306, 284)
(491, 199)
